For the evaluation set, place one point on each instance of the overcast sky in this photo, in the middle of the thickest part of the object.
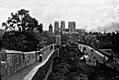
(88, 14)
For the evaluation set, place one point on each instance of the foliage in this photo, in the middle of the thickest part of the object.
(21, 42)
(42, 71)
(65, 69)
(57, 76)
(22, 21)
(24, 34)
(61, 67)
(64, 38)
(115, 41)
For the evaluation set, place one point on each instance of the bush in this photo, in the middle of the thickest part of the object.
(19, 41)
(62, 67)
(57, 76)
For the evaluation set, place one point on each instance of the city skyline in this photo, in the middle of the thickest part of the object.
(89, 14)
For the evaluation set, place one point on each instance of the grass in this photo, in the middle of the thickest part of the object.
(41, 73)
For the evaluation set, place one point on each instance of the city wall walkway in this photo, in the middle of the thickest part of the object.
(28, 72)
(30, 75)
(23, 72)
(99, 56)
(15, 65)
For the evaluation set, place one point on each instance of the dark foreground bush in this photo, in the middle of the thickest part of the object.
(15, 40)
(76, 69)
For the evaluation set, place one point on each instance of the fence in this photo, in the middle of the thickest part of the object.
(16, 60)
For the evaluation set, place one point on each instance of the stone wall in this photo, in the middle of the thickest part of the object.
(17, 60)
(93, 55)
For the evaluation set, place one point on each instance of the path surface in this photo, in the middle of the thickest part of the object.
(28, 72)
(19, 75)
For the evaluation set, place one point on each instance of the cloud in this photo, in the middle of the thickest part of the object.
(112, 27)
(107, 19)
(88, 14)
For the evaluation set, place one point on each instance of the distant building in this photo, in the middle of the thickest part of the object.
(62, 25)
(81, 31)
(66, 31)
(72, 26)
(58, 39)
(55, 39)
(50, 28)
(56, 26)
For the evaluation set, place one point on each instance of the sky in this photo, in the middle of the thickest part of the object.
(88, 14)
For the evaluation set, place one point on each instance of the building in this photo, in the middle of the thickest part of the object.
(50, 28)
(56, 26)
(55, 39)
(66, 31)
(58, 39)
(72, 26)
(62, 25)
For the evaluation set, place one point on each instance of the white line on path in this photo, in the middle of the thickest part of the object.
(34, 70)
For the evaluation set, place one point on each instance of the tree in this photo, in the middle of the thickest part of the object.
(50, 28)
(24, 34)
(22, 21)
(20, 42)
(115, 42)
(40, 28)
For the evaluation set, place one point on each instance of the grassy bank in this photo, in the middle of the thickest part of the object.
(41, 73)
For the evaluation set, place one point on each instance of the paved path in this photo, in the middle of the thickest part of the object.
(112, 64)
(19, 75)
(28, 72)
(88, 50)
